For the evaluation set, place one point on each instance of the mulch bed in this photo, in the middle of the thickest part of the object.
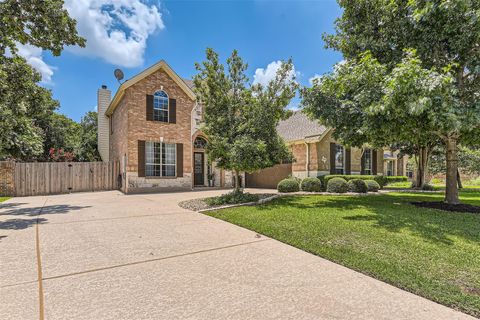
(200, 204)
(461, 207)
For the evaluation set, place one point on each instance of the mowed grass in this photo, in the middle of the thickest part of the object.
(3, 199)
(432, 253)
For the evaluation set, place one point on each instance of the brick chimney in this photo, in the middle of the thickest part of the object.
(103, 101)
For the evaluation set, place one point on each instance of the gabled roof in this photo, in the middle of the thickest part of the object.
(142, 75)
(300, 127)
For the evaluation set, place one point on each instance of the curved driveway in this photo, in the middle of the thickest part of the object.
(110, 256)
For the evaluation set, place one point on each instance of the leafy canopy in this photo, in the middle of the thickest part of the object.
(27, 109)
(240, 119)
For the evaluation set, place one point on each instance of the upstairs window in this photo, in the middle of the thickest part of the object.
(160, 106)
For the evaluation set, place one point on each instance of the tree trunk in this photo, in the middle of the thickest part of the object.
(422, 162)
(237, 181)
(459, 180)
(451, 192)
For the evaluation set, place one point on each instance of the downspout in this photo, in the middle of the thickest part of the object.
(307, 162)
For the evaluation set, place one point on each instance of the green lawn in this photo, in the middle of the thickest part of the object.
(432, 253)
(3, 199)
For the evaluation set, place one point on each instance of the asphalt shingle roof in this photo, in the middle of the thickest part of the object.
(298, 127)
(189, 83)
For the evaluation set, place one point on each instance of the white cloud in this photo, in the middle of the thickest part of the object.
(116, 30)
(315, 77)
(264, 76)
(33, 55)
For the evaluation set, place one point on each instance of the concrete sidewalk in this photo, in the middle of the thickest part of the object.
(110, 256)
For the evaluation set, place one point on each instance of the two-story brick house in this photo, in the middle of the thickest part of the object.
(152, 127)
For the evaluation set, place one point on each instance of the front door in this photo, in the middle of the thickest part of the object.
(199, 167)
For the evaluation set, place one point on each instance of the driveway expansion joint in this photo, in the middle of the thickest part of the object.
(153, 260)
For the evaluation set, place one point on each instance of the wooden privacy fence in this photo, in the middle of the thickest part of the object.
(269, 177)
(42, 178)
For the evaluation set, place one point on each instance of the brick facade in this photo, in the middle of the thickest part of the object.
(129, 125)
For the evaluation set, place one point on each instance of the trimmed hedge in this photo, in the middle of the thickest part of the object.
(337, 185)
(381, 180)
(311, 185)
(372, 185)
(288, 185)
(357, 186)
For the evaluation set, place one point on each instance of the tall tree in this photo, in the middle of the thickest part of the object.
(61, 132)
(88, 149)
(25, 107)
(240, 119)
(445, 36)
(43, 24)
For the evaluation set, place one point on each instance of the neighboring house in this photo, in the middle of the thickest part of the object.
(152, 127)
(317, 153)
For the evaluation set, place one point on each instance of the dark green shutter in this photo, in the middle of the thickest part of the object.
(172, 110)
(348, 161)
(141, 158)
(374, 162)
(149, 110)
(332, 157)
(179, 159)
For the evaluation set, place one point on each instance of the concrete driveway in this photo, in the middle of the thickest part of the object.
(110, 256)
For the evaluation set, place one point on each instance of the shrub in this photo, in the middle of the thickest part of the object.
(233, 197)
(323, 182)
(288, 185)
(311, 185)
(372, 185)
(391, 179)
(357, 185)
(381, 180)
(337, 185)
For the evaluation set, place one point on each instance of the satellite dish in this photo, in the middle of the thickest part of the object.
(118, 74)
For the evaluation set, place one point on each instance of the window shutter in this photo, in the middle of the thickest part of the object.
(149, 107)
(362, 163)
(172, 110)
(141, 158)
(179, 163)
(332, 158)
(374, 162)
(348, 161)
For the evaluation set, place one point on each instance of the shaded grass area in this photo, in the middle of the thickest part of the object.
(4, 199)
(433, 253)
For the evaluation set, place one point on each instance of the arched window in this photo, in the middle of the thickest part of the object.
(160, 106)
(199, 143)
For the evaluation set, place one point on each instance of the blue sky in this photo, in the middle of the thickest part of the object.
(134, 34)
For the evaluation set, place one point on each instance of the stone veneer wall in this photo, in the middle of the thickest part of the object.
(7, 181)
